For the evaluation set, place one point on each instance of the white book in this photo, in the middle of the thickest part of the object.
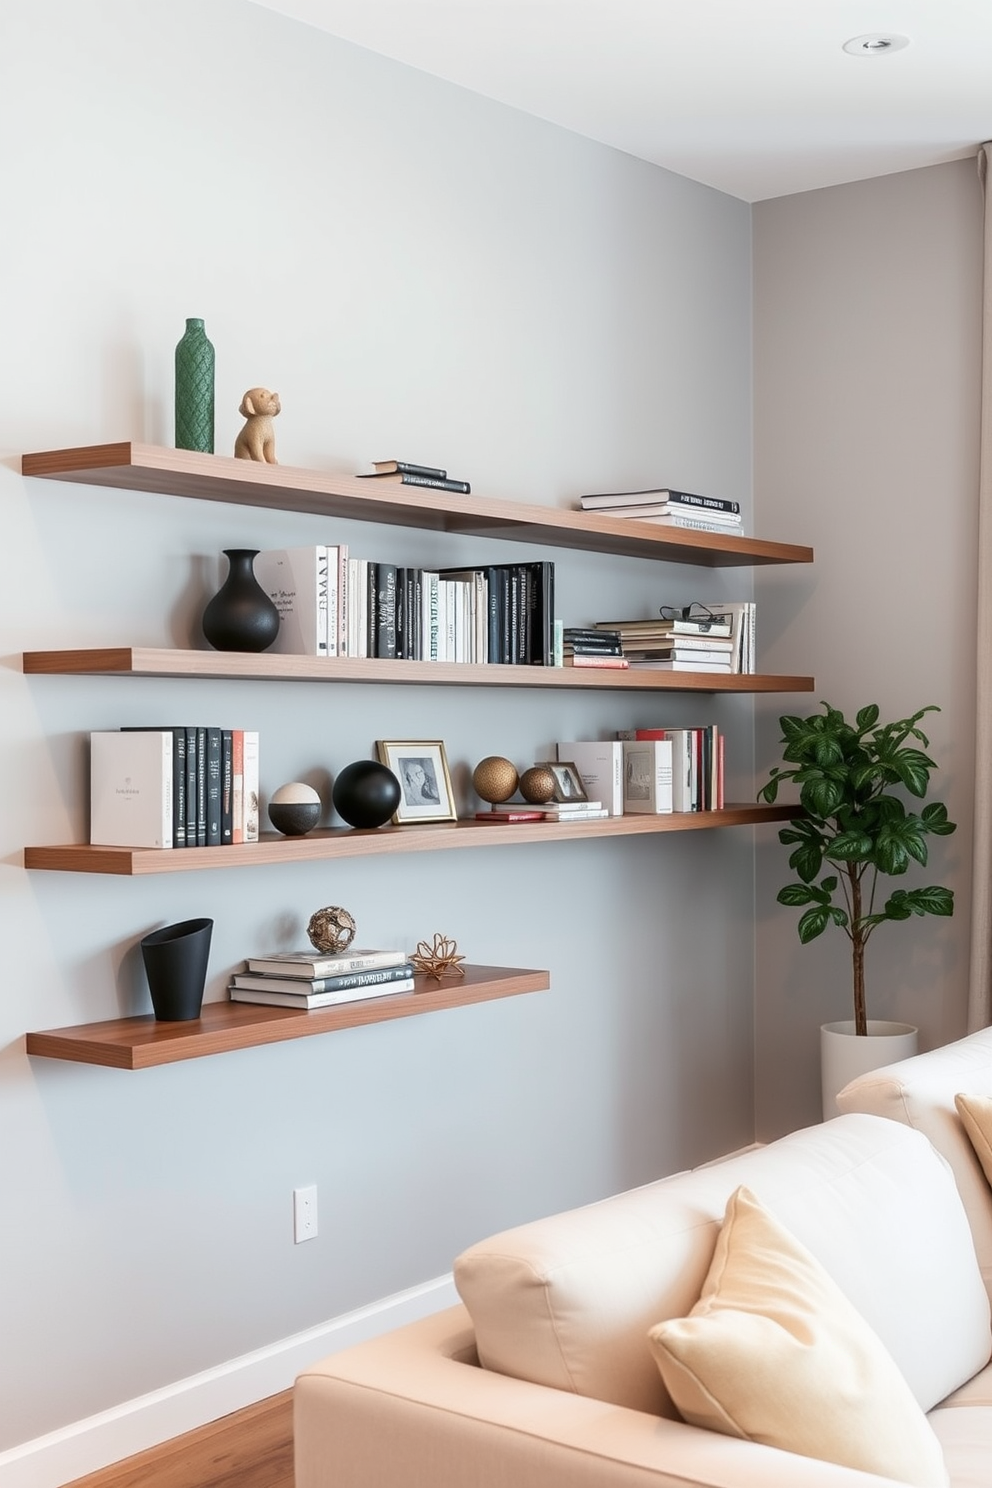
(647, 776)
(600, 766)
(295, 579)
(250, 811)
(344, 566)
(131, 788)
(742, 615)
(323, 999)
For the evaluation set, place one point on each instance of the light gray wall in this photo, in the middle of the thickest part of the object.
(867, 380)
(422, 274)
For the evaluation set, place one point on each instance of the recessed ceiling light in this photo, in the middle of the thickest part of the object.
(876, 44)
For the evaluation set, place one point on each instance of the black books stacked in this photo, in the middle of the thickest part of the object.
(405, 473)
(305, 979)
(667, 508)
(592, 648)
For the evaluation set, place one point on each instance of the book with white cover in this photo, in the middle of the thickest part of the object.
(131, 788)
(600, 765)
(250, 809)
(296, 580)
(310, 964)
(322, 999)
(647, 776)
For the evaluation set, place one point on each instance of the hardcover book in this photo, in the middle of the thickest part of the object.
(647, 776)
(296, 580)
(131, 788)
(600, 766)
(247, 981)
(311, 964)
(323, 999)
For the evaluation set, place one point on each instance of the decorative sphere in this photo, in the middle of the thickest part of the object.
(494, 778)
(331, 930)
(366, 794)
(537, 785)
(294, 809)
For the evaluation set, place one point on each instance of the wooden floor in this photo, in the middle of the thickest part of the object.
(253, 1448)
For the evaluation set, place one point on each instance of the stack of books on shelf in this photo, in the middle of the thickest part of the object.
(173, 787)
(334, 604)
(719, 641)
(693, 758)
(592, 648)
(405, 473)
(560, 811)
(307, 979)
(666, 508)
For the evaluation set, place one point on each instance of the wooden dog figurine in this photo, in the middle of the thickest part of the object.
(257, 440)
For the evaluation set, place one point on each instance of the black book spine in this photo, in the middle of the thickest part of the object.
(402, 617)
(415, 612)
(408, 478)
(213, 787)
(201, 786)
(226, 788)
(709, 503)
(385, 644)
(371, 607)
(190, 787)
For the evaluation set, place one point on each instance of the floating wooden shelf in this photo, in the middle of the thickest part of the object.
(139, 1043)
(148, 467)
(351, 842)
(143, 661)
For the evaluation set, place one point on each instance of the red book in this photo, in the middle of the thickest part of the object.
(597, 661)
(509, 816)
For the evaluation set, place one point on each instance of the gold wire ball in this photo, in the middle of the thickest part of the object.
(331, 929)
(537, 785)
(494, 778)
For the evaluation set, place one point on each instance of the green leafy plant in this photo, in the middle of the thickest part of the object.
(855, 826)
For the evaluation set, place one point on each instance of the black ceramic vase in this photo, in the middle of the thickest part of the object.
(366, 794)
(241, 616)
(175, 960)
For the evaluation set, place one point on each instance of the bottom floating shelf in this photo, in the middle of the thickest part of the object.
(139, 1043)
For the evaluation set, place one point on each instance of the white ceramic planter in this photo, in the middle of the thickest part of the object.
(844, 1056)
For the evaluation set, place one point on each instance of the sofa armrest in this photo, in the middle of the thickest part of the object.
(413, 1409)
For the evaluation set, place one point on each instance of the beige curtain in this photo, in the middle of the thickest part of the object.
(980, 994)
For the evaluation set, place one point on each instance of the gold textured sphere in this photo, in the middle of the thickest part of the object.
(494, 778)
(331, 930)
(537, 785)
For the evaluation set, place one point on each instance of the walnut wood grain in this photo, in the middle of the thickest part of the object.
(145, 661)
(352, 842)
(140, 1042)
(148, 467)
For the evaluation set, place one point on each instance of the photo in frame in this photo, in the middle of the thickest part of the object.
(568, 781)
(421, 767)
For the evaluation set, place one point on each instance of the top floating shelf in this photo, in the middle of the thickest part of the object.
(148, 467)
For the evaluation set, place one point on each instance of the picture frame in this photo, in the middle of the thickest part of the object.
(568, 781)
(421, 767)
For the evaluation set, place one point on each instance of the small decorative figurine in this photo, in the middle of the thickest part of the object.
(494, 779)
(439, 959)
(537, 785)
(331, 930)
(257, 440)
(294, 809)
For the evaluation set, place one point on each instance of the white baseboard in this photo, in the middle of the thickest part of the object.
(87, 1446)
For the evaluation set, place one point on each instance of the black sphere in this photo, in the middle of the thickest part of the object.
(366, 794)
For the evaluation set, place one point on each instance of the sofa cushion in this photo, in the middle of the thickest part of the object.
(920, 1093)
(567, 1301)
(773, 1352)
(976, 1118)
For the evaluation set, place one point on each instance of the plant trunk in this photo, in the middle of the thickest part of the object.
(858, 957)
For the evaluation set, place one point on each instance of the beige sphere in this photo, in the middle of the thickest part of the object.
(537, 785)
(494, 778)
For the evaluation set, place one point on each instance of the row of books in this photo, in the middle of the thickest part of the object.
(307, 979)
(721, 642)
(667, 508)
(333, 604)
(173, 787)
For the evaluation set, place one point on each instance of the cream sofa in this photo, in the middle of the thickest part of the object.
(543, 1378)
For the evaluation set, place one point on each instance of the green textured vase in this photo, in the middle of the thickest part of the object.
(195, 390)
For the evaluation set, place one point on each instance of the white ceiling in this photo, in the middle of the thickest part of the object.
(754, 97)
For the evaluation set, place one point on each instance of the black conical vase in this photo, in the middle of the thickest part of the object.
(175, 960)
(241, 616)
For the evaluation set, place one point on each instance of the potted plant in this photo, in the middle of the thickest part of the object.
(854, 828)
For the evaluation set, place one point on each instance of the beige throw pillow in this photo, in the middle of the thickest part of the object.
(976, 1118)
(774, 1352)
